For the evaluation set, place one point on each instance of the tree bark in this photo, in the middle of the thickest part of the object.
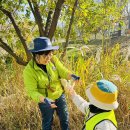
(37, 16)
(7, 48)
(55, 18)
(119, 30)
(48, 22)
(70, 25)
(18, 31)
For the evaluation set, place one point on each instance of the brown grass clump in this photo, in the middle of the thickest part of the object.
(123, 112)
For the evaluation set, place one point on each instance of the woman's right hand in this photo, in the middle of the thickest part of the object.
(49, 103)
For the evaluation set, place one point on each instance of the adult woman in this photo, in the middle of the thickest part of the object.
(42, 82)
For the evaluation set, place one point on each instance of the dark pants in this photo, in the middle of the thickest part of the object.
(62, 112)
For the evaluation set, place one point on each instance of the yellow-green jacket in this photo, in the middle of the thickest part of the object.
(38, 83)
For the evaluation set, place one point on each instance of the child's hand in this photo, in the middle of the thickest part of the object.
(71, 91)
(68, 86)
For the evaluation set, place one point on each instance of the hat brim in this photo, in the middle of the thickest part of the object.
(46, 49)
(99, 104)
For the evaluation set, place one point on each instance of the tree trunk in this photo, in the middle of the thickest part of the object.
(18, 59)
(37, 16)
(69, 29)
(95, 36)
(119, 30)
(129, 22)
(55, 18)
(18, 31)
(48, 22)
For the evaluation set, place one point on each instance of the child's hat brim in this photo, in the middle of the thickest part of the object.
(100, 104)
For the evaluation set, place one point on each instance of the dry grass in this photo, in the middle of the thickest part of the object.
(17, 112)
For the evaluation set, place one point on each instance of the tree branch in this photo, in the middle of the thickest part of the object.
(17, 6)
(71, 21)
(48, 22)
(37, 16)
(70, 25)
(18, 31)
(10, 51)
(55, 18)
(29, 2)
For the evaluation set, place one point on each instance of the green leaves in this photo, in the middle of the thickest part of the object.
(90, 18)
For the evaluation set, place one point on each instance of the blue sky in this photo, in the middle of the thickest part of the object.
(98, 0)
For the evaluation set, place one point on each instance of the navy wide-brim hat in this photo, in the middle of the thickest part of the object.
(42, 44)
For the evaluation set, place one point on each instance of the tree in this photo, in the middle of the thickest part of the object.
(70, 25)
(23, 20)
(46, 23)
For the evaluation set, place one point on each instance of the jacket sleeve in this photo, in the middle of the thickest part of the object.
(63, 72)
(30, 83)
(81, 104)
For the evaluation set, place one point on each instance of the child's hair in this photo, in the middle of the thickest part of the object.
(95, 109)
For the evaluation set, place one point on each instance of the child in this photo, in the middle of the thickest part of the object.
(99, 111)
